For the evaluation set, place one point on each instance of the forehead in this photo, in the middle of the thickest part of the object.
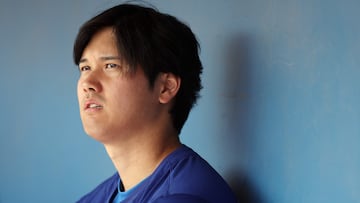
(102, 43)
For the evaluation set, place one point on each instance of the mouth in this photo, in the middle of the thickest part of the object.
(92, 106)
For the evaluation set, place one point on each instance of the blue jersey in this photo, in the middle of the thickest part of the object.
(183, 176)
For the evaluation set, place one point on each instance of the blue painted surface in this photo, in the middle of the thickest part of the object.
(279, 113)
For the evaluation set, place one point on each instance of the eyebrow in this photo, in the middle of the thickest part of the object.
(103, 58)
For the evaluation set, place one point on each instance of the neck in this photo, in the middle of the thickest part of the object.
(137, 158)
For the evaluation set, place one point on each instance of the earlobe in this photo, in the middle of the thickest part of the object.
(170, 86)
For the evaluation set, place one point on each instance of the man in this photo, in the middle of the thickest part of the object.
(139, 78)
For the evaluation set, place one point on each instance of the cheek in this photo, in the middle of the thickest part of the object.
(78, 90)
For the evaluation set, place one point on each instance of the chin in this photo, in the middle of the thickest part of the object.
(95, 134)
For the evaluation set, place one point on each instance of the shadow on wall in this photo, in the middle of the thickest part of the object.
(237, 116)
(244, 189)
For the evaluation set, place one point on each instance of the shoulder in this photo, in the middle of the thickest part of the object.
(190, 166)
(103, 191)
(190, 174)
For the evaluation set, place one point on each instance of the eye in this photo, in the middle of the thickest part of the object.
(111, 65)
(84, 68)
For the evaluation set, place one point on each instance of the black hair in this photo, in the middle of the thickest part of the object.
(157, 43)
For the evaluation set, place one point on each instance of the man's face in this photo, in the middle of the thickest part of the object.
(113, 102)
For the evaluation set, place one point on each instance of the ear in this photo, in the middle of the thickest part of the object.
(170, 85)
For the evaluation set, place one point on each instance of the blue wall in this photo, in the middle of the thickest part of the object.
(278, 118)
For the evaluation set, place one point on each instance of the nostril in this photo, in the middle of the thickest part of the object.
(89, 89)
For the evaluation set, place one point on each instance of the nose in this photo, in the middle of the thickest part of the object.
(91, 83)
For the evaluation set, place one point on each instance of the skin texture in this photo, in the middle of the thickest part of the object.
(119, 109)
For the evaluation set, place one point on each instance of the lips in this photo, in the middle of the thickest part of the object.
(92, 105)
